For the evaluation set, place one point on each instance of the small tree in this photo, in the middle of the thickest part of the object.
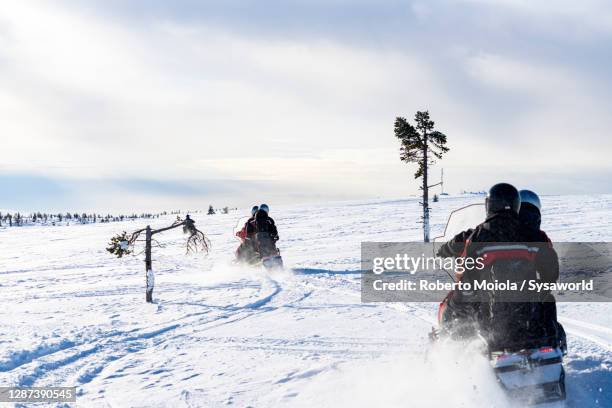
(211, 210)
(419, 144)
(123, 244)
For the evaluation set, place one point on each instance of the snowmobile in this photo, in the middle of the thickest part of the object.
(257, 250)
(530, 369)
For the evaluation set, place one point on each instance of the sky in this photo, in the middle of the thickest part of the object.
(143, 105)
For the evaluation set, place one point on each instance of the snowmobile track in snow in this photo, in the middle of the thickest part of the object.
(70, 358)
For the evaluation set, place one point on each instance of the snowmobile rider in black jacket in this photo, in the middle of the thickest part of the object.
(262, 222)
(531, 217)
(246, 251)
(466, 311)
(242, 234)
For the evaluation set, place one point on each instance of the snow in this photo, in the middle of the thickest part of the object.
(221, 335)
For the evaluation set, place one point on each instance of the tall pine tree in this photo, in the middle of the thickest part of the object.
(421, 144)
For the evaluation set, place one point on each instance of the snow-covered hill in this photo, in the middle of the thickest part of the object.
(221, 335)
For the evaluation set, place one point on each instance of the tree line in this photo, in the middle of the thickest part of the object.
(18, 219)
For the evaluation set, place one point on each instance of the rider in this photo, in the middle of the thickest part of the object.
(242, 234)
(502, 225)
(458, 311)
(262, 222)
(263, 234)
(246, 250)
(531, 217)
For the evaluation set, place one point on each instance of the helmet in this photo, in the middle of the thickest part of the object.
(254, 209)
(528, 196)
(265, 208)
(530, 209)
(503, 196)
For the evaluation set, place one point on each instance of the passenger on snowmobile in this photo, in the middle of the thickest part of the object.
(246, 251)
(242, 234)
(463, 313)
(531, 217)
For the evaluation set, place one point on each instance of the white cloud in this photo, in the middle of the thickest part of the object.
(562, 114)
(84, 95)
(589, 14)
(106, 96)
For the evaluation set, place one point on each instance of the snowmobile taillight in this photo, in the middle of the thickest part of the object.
(546, 350)
(503, 356)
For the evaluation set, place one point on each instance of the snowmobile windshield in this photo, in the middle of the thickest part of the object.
(239, 226)
(460, 220)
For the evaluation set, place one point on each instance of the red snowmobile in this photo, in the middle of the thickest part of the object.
(258, 248)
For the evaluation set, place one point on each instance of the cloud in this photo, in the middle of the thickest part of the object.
(117, 102)
(302, 94)
(590, 14)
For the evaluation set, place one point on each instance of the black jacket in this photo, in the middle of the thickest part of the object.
(261, 222)
(530, 216)
(512, 251)
(506, 227)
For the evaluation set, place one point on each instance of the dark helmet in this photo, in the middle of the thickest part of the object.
(529, 214)
(529, 197)
(254, 209)
(503, 197)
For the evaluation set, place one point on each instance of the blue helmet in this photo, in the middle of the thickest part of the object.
(265, 208)
(528, 196)
(254, 209)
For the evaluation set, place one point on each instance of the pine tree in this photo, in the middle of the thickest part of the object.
(419, 144)
(211, 210)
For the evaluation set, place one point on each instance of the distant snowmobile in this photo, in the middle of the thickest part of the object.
(530, 367)
(257, 246)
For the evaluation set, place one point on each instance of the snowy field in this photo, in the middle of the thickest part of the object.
(219, 335)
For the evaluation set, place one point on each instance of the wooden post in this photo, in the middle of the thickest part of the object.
(149, 269)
